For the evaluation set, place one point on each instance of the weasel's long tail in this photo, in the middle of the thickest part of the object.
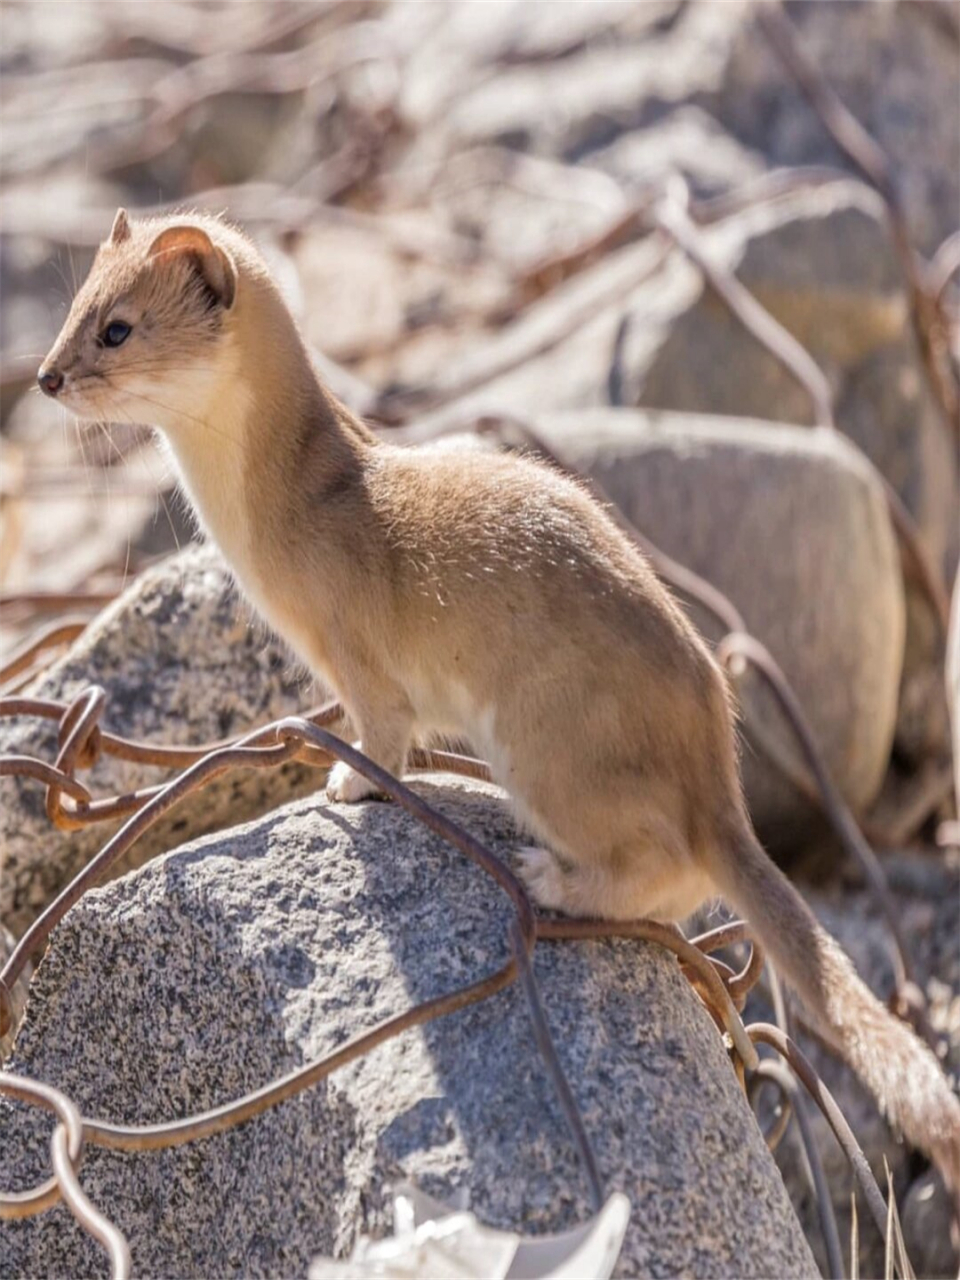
(899, 1070)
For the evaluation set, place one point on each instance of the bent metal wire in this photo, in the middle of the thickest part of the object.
(81, 739)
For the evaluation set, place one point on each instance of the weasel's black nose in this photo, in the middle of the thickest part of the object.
(50, 380)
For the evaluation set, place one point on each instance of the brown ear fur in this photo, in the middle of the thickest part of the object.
(211, 261)
(120, 230)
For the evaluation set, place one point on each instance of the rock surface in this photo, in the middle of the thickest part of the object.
(825, 596)
(182, 663)
(222, 965)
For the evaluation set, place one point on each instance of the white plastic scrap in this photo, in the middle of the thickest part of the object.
(433, 1239)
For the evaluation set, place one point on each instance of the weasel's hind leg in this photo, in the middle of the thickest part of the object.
(624, 888)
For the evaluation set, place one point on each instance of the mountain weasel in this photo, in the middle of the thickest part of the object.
(479, 595)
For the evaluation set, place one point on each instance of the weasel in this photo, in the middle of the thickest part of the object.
(483, 596)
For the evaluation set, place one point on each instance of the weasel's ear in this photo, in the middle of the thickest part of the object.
(121, 228)
(213, 263)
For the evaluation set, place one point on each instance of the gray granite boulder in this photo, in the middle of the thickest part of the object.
(792, 524)
(231, 961)
(183, 662)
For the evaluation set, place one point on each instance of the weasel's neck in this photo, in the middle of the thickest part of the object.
(211, 451)
(268, 441)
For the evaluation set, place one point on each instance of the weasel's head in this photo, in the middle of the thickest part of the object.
(147, 336)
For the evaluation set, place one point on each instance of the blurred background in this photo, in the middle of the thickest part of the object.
(515, 209)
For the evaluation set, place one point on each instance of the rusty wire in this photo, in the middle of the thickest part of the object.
(814, 1165)
(771, 1071)
(81, 740)
(721, 990)
(269, 747)
(280, 741)
(764, 1033)
(54, 636)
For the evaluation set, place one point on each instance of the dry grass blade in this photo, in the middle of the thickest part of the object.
(854, 1239)
(896, 1249)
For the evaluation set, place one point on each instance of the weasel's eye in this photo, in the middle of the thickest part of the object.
(115, 334)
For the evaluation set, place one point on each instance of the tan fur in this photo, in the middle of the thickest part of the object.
(470, 594)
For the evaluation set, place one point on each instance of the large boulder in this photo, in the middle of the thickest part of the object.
(792, 524)
(221, 966)
(183, 662)
(824, 265)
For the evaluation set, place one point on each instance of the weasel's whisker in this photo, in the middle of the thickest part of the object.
(73, 272)
(87, 471)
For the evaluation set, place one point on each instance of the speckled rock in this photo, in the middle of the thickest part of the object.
(218, 967)
(792, 525)
(183, 662)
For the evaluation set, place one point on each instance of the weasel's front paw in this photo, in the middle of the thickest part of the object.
(542, 875)
(348, 786)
